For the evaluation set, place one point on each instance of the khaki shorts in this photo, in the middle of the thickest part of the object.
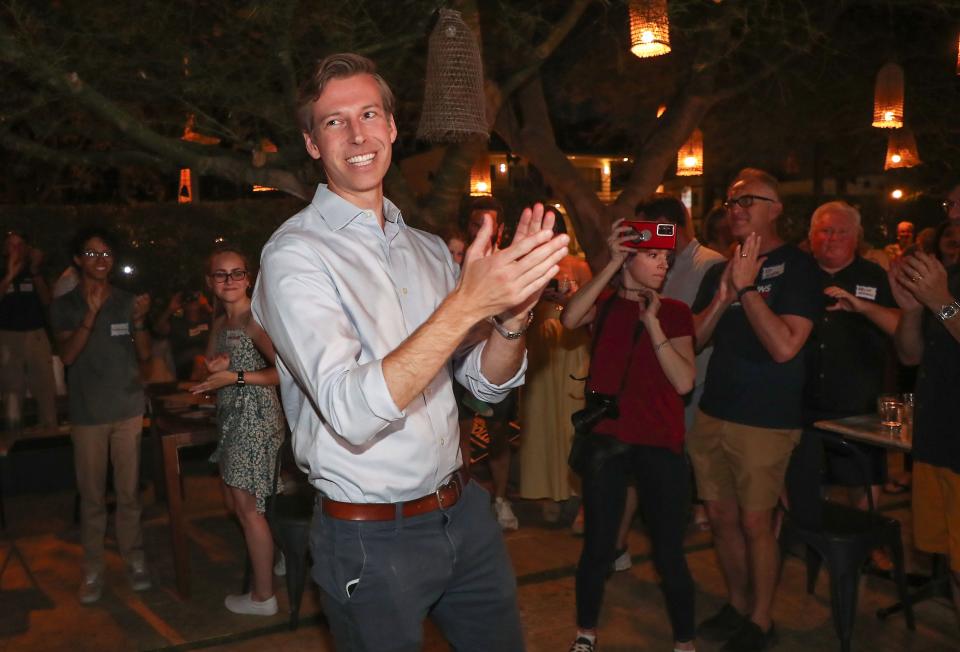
(936, 511)
(744, 463)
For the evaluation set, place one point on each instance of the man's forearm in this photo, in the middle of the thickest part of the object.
(408, 369)
(772, 331)
(908, 338)
(705, 322)
(501, 358)
(886, 319)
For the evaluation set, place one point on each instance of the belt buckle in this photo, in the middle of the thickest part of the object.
(439, 496)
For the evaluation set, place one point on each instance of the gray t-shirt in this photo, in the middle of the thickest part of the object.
(683, 281)
(103, 383)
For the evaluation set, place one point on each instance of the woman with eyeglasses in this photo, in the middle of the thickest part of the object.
(240, 359)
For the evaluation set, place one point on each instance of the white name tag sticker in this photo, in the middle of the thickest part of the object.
(117, 330)
(196, 330)
(26, 286)
(772, 272)
(866, 292)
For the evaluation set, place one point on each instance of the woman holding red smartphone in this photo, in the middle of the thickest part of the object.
(642, 360)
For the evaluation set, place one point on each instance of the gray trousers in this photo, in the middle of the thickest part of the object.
(380, 579)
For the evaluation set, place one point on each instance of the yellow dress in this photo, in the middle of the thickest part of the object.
(550, 396)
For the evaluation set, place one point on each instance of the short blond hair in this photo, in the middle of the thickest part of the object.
(338, 66)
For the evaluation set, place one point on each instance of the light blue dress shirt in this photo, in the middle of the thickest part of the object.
(336, 294)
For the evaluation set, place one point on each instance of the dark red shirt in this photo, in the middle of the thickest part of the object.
(651, 410)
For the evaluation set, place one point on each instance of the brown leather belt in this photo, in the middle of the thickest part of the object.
(445, 496)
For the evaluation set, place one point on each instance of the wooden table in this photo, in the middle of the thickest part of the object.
(174, 430)
(866, 428)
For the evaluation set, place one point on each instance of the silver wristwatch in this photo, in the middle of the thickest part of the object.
(949, 311)
(511, 335)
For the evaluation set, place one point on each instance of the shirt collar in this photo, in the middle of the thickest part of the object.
(337, 212)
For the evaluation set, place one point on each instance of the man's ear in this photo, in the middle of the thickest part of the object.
(311, 146)
(393, 129)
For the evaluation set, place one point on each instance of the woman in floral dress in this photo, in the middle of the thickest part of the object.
(240, 360)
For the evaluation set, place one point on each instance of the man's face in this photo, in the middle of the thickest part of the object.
(949, 245)
(475, 221)
(905, 234)
(833, 239)
(757, 218)
(953, 205)
(92, 263)
(352, 135)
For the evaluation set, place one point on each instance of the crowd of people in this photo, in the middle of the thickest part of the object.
(694, 373)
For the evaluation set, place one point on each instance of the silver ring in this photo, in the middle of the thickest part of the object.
(743, 255)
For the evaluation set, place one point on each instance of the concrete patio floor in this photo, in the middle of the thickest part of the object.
(48, 617)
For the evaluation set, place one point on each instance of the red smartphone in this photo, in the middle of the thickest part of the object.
(651, 235)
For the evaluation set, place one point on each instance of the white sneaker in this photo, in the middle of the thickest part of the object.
(246, 605)
(280, 568)
(91, 588)
(139, 577)
(505, 516)
(623, 561)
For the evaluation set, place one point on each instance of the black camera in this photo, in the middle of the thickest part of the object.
(598, 407)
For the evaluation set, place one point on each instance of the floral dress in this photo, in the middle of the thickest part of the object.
(250, 421)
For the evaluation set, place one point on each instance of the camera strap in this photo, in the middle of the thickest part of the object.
(602, 315)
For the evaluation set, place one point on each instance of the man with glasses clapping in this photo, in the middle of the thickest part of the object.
(758, 311)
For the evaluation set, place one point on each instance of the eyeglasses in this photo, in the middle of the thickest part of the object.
(221, 276)
(97, 254)
(744, 201)
(949, 204)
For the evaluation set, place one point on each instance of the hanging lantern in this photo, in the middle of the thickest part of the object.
(690, 156)
(901, 150)
(454, 105)
(185, 192)
(888, 98)
(649, 28)
(480, 179)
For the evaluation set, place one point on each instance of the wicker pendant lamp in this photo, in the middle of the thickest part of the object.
(649, 28)
(690, 156)
(888, 98)
(454, 106)
(481, 181)
(901, 150)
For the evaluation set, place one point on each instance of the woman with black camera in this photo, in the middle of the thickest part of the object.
(642, 363)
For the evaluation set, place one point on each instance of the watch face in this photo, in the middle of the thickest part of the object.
(950, 311)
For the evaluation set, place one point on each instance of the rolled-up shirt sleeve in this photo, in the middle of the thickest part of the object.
(297, 303)
(466, 370)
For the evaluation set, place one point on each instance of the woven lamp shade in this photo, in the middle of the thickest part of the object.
(958, 56)
(649, 28)
(454, 106)
(481, 181)
(888, 98)
(690, 156)
(901, 150)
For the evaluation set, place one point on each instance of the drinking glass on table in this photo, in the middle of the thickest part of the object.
(907, 399)
(890, 409)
